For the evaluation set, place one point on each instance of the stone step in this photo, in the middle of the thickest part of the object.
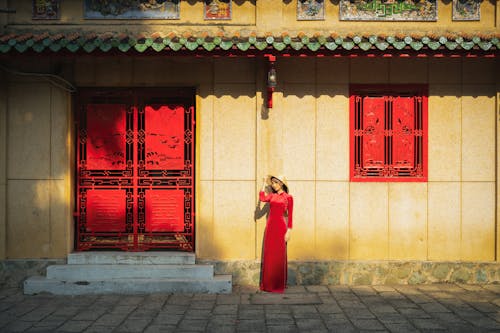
(93, 272)
(132, 258)
(39, 284)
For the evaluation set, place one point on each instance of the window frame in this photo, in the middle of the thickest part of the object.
(417, 91)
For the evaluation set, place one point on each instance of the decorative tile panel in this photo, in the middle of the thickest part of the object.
(310, 10)
(466, 10)
(217, 9)
(116, 9)
(46, 9)
(382, 10)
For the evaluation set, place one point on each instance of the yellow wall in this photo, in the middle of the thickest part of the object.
(305, 136)
(37, 178)
(262, 16)
(3, 161)
(451, 217)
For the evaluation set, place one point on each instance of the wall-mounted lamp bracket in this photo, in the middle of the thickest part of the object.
(271, 80)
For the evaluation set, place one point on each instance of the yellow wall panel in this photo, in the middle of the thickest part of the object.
(480, 71)
(271, 128)
(28, 220)
(60, 144)
(369, 234)
(478, 221)
(85, 71)
(478, 133)
(302, 243)
(3, 129)
(444, 232)
(60, 219)
(113, 72)
(205, 220)
(369, 70)
(29, 131)
(260, 215)
(497, 180)
(299, 125)
(3, 163)
(399, 73)
(171, 71)
(332, 70)
(234, 227)
(234, 132)
(445, 71)
(205, 129)
(444, 128)
(3, 221)
(268, 14)
(234, 70)
(332, 132)
(295, 70)
(332, 220)
(188, 71)
(408, 221)
(151, 71)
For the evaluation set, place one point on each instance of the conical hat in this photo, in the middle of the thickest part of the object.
(281, 178)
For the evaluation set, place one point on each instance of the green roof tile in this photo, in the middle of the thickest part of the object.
(93, 42)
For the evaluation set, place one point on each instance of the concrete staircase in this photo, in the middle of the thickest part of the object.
(129, 273)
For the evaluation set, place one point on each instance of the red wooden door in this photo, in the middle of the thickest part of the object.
(135, 170)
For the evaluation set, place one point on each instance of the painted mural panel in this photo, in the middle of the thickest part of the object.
(45, 9)
(217, 10)
(106, 137)
(310, 10)
(388, 10)
(165, 210)
(164, 137)
(466, 10)
(131, 9)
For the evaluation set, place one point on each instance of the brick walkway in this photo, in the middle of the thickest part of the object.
(422, 308)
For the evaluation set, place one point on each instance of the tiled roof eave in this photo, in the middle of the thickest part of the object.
(44, 42)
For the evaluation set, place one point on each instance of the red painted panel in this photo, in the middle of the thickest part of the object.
(164, 210)
(403, 122)
(106, 135)
(373, 132)
(105, 210)
(164, 137)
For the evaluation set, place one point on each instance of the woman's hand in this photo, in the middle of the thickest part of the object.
(287, 235)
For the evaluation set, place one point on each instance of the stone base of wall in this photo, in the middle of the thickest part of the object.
(367, 272)
(247, 272)
(14, 272)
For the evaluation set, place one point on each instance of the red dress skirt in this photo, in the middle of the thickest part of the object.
(274, 260)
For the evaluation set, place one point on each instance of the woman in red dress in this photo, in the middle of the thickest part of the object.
(274, 260)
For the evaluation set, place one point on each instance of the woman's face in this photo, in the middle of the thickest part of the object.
(276, 184)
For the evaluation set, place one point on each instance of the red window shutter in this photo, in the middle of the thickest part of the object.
(403, 133)
(373, 133)
(388, 133)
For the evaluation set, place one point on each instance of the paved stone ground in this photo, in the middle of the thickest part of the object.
(403, 308)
